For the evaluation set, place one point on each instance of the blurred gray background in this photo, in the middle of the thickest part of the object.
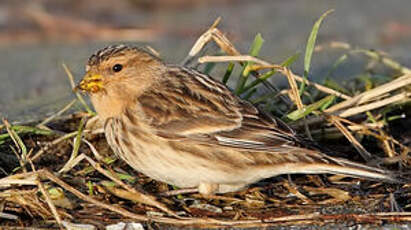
(36, 37)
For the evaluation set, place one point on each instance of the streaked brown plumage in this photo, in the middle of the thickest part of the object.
(181, 127)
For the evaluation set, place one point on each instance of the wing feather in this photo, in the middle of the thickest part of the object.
(207, 111)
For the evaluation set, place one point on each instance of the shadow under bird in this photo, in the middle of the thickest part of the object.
(182, 127)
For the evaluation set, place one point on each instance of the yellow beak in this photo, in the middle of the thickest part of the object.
(91, 83)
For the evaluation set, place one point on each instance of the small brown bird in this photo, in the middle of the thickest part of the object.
(182, 127)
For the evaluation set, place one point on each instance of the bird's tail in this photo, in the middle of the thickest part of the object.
(353, 169)
(350, 168)
(300, 160)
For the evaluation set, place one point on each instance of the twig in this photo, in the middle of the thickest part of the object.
(80, 195)
(373, 93)
(360, 109)
(21, 154)
(296, 97)
(76, 145)
(56, 141)
(205, 38)
(294, 89)
(146, 199)
(179, 192)
(352, 128)
(96, 154)
(47, 120)
(50, 203)
(48, 199)
(363, 152)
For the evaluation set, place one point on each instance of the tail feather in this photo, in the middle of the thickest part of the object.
(314, 162)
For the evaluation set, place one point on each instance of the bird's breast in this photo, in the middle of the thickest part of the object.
(107, 106)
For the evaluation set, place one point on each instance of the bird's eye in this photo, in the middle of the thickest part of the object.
(117, 68)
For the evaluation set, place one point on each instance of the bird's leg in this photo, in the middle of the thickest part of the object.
(208, 188)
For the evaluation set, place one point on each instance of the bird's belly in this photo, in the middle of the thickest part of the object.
(176, 168)
(161, 162)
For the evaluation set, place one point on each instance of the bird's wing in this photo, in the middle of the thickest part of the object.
(188, 104)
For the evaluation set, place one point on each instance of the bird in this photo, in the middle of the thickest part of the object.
(182, 127)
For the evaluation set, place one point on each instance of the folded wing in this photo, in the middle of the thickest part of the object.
(205, 110)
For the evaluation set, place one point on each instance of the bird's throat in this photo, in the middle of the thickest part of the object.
(107, 106)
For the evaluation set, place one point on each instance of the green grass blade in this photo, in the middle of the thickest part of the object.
(327, 104)
(337, 63)
(77, 140)
(290, 60)
(127, 177)
(250, 94)
(22, 129)
(254, 50)
(228, 72)
(310, 48)
(90, 188)
(311, 43)
(256, 46)
(209, 67)
(300, 113)
(264, 97)
(330, 83)
(20, 143)
(259, 80)
(367, 80)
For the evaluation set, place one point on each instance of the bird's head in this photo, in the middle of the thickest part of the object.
(120, 67)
